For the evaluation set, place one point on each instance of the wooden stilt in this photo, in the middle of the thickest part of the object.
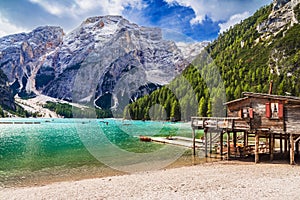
(210, 144)
(228, 145)
(285, 144)
(234, 139)
(292, 151)
(245, 142)
(256, 148)
(206, 141)
(281, 149)
(234, 143)
(221, 145)
(297, 147)
(194, 142)
(271, 147)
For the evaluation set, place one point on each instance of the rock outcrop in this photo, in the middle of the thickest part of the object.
(281, 18)
(6, 95)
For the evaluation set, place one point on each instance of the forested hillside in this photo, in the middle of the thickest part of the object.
(246, 59)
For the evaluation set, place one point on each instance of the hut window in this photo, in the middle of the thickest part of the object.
(274, 110)
(245, 113)
(268, 110)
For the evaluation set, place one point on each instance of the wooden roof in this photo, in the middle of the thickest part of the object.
(265, 96)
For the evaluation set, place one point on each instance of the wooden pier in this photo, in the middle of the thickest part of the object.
(18, 122)
(174, 140)
(264, 118)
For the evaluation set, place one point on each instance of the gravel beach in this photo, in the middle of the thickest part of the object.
(217, 180)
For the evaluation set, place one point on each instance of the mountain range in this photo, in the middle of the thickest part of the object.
(91, 62)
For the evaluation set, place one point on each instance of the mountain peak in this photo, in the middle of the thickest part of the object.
(113, 18)
(277, 4)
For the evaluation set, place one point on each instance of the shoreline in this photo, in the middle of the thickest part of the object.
(98, 170)
(219, 180)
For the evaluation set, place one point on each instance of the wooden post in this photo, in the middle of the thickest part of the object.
(292, 150)
(194, 142)
(234, 143)
(245, 142)
(285, 143)
(228, 145)
(281, 150)
(206, 140)
(256, 147)
(221, 145)
(234, 138)
(297, 148)
(210, 144)
(271, 146)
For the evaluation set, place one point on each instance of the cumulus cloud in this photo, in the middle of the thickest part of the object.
(219, 10)
(234, 19)
(6, 27)
(52, 7)
(79, 8)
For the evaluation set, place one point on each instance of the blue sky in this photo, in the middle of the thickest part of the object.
(190, 20)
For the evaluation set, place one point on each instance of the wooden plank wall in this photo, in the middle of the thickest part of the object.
(292, 118)
(259, 120)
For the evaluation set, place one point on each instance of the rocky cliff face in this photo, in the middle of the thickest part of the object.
(281, 18)
(104, 57)
(6, 95)
(21, 55)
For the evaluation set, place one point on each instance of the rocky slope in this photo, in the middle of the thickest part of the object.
(105, 57)
(6, 95)
(281, 18)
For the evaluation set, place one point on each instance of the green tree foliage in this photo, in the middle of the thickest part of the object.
(61, 109)
(68, 111)
(1, 112)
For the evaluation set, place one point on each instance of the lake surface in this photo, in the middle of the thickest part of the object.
(57, 148)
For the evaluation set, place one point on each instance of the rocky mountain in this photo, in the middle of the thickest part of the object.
(105, 58)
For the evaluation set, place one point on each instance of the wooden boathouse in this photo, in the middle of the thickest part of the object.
(264, 117)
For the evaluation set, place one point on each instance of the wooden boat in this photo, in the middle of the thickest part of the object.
(145, 138)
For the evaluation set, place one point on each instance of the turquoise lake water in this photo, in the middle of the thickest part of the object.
(66, 144)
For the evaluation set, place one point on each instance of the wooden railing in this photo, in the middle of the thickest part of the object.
(215, 122)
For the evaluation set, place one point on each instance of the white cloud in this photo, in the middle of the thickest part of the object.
(6, 27)
(79, 8)
(234, 19)
(219, 10)
(51, 7)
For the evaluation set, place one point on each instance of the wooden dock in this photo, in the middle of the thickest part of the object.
(176, 140)
(185, 142)
(20, 122)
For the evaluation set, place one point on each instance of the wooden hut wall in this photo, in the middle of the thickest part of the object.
(292, 118)
(261, 120)
(258, 120)
(234, 110)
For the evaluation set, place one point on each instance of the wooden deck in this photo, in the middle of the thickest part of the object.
(20, 122)
(233, 125)
(179, 141)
